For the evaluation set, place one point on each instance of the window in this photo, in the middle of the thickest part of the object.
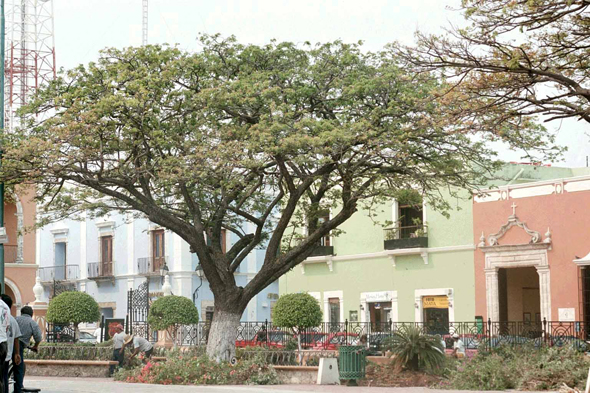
(334, 304)
(60, 260)
(158, 250)
(106, 255)
(325, 241)
(410, 220)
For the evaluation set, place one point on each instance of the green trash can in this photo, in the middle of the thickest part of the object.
(351, 362)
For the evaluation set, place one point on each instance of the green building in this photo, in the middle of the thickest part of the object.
(411, 273)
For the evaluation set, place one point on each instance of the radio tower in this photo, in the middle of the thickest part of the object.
(144, 23)
(30, 53)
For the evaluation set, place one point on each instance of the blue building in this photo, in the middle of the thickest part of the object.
(106, 257)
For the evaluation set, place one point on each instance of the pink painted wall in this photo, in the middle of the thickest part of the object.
(568, 217)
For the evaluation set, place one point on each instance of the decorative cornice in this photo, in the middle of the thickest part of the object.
(513, 221)
(516, 247)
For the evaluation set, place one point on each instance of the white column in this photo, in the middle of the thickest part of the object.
(83, 249)
(130, 244)
(492, 294)
(545, 291)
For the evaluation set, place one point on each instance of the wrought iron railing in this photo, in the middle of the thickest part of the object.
(328, 336)
(10, 253)
(100, 269)
(59, 333)
(59, 273)
(150, 264)
(408, 232)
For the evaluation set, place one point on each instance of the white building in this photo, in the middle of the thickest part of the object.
(106, 257)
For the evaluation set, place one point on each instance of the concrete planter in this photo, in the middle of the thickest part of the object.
(70, 368)
(297, 375)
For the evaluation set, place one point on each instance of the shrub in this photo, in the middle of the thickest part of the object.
(180, 369)
(522, 367)
(73, 307)
(172, 311)
(414, 350)
(297, 311)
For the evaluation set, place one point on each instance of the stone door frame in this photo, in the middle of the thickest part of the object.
(515, 256)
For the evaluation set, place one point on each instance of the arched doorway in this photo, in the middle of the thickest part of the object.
(12, 290)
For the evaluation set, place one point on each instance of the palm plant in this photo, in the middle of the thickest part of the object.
(414, 350)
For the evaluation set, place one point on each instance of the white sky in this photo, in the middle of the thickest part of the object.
(83, 27)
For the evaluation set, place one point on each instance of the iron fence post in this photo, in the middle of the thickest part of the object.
(266, 332)
(346, 331)
(545, 335)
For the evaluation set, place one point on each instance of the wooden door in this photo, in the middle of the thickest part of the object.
(158, 250)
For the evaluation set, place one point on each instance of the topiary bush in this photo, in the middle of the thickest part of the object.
(73, 307)
(414, 350)
(170, 312)
(297, 311)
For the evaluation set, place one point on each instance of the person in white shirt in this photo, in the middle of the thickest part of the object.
(458, 347)
(4, 323)
(12, 342)
(140, 344)
(98, 334)
(119, 345)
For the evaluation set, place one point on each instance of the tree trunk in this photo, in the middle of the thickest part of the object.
(221, 343)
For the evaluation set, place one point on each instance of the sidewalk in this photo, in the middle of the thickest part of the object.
(98, 385)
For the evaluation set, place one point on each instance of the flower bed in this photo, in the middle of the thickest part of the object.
(183, 369)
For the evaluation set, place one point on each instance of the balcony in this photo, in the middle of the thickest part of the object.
(59, 273)
(101, 271)
(150, 266)
(415, 236)
(321, 251)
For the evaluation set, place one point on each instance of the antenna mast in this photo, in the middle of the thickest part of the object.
(144, 31)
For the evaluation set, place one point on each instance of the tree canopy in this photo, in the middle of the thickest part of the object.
(73, 307)
(297, 311)
(515, 61)
(172, 311)
(259, 141)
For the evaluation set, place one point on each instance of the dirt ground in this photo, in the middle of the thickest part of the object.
(387, 375)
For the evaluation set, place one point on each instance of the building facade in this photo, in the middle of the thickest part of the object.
(420, 270)
(533, 249)
(107, 257)
(19, 252)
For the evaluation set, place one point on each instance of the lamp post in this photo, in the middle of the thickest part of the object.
(199, 270)
(164, 271)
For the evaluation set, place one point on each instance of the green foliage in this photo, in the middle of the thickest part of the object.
(414, 350)
(522, 368)
(408, 197)
(297, 311)
(172, 311)
(56, 351)
(183, 369)
(73, 307)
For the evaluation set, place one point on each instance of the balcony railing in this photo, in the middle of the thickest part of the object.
(100, 269)
(150, 265)
(321, 251)
(10, 253)
(59, 273)
(415, 236)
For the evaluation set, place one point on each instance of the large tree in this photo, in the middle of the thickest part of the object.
(515, 60)
(256, 140)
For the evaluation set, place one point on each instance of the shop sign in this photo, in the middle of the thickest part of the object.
(372, 297)
(435, 302)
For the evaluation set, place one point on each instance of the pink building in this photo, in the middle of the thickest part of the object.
(533, 249)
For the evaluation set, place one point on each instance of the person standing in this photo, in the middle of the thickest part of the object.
(13, 343)
(4, 322)
(118, 346)
(28, 328)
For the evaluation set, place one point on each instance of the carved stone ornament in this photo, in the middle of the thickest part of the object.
(482, 241)
(512, 222)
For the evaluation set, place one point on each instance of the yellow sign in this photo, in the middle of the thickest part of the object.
(435, 302)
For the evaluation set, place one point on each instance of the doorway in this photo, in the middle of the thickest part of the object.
(436, 314)
(380, 316)
(519, 295)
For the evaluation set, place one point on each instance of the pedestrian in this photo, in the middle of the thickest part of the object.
(458, 347)
(12, 343)
(28, 328)
(140, 344)
(4, 323)
(118, 346)
(98, 334)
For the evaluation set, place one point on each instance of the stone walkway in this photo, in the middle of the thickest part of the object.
(97, 385)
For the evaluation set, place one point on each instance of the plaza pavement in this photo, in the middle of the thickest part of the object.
(96, 385)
